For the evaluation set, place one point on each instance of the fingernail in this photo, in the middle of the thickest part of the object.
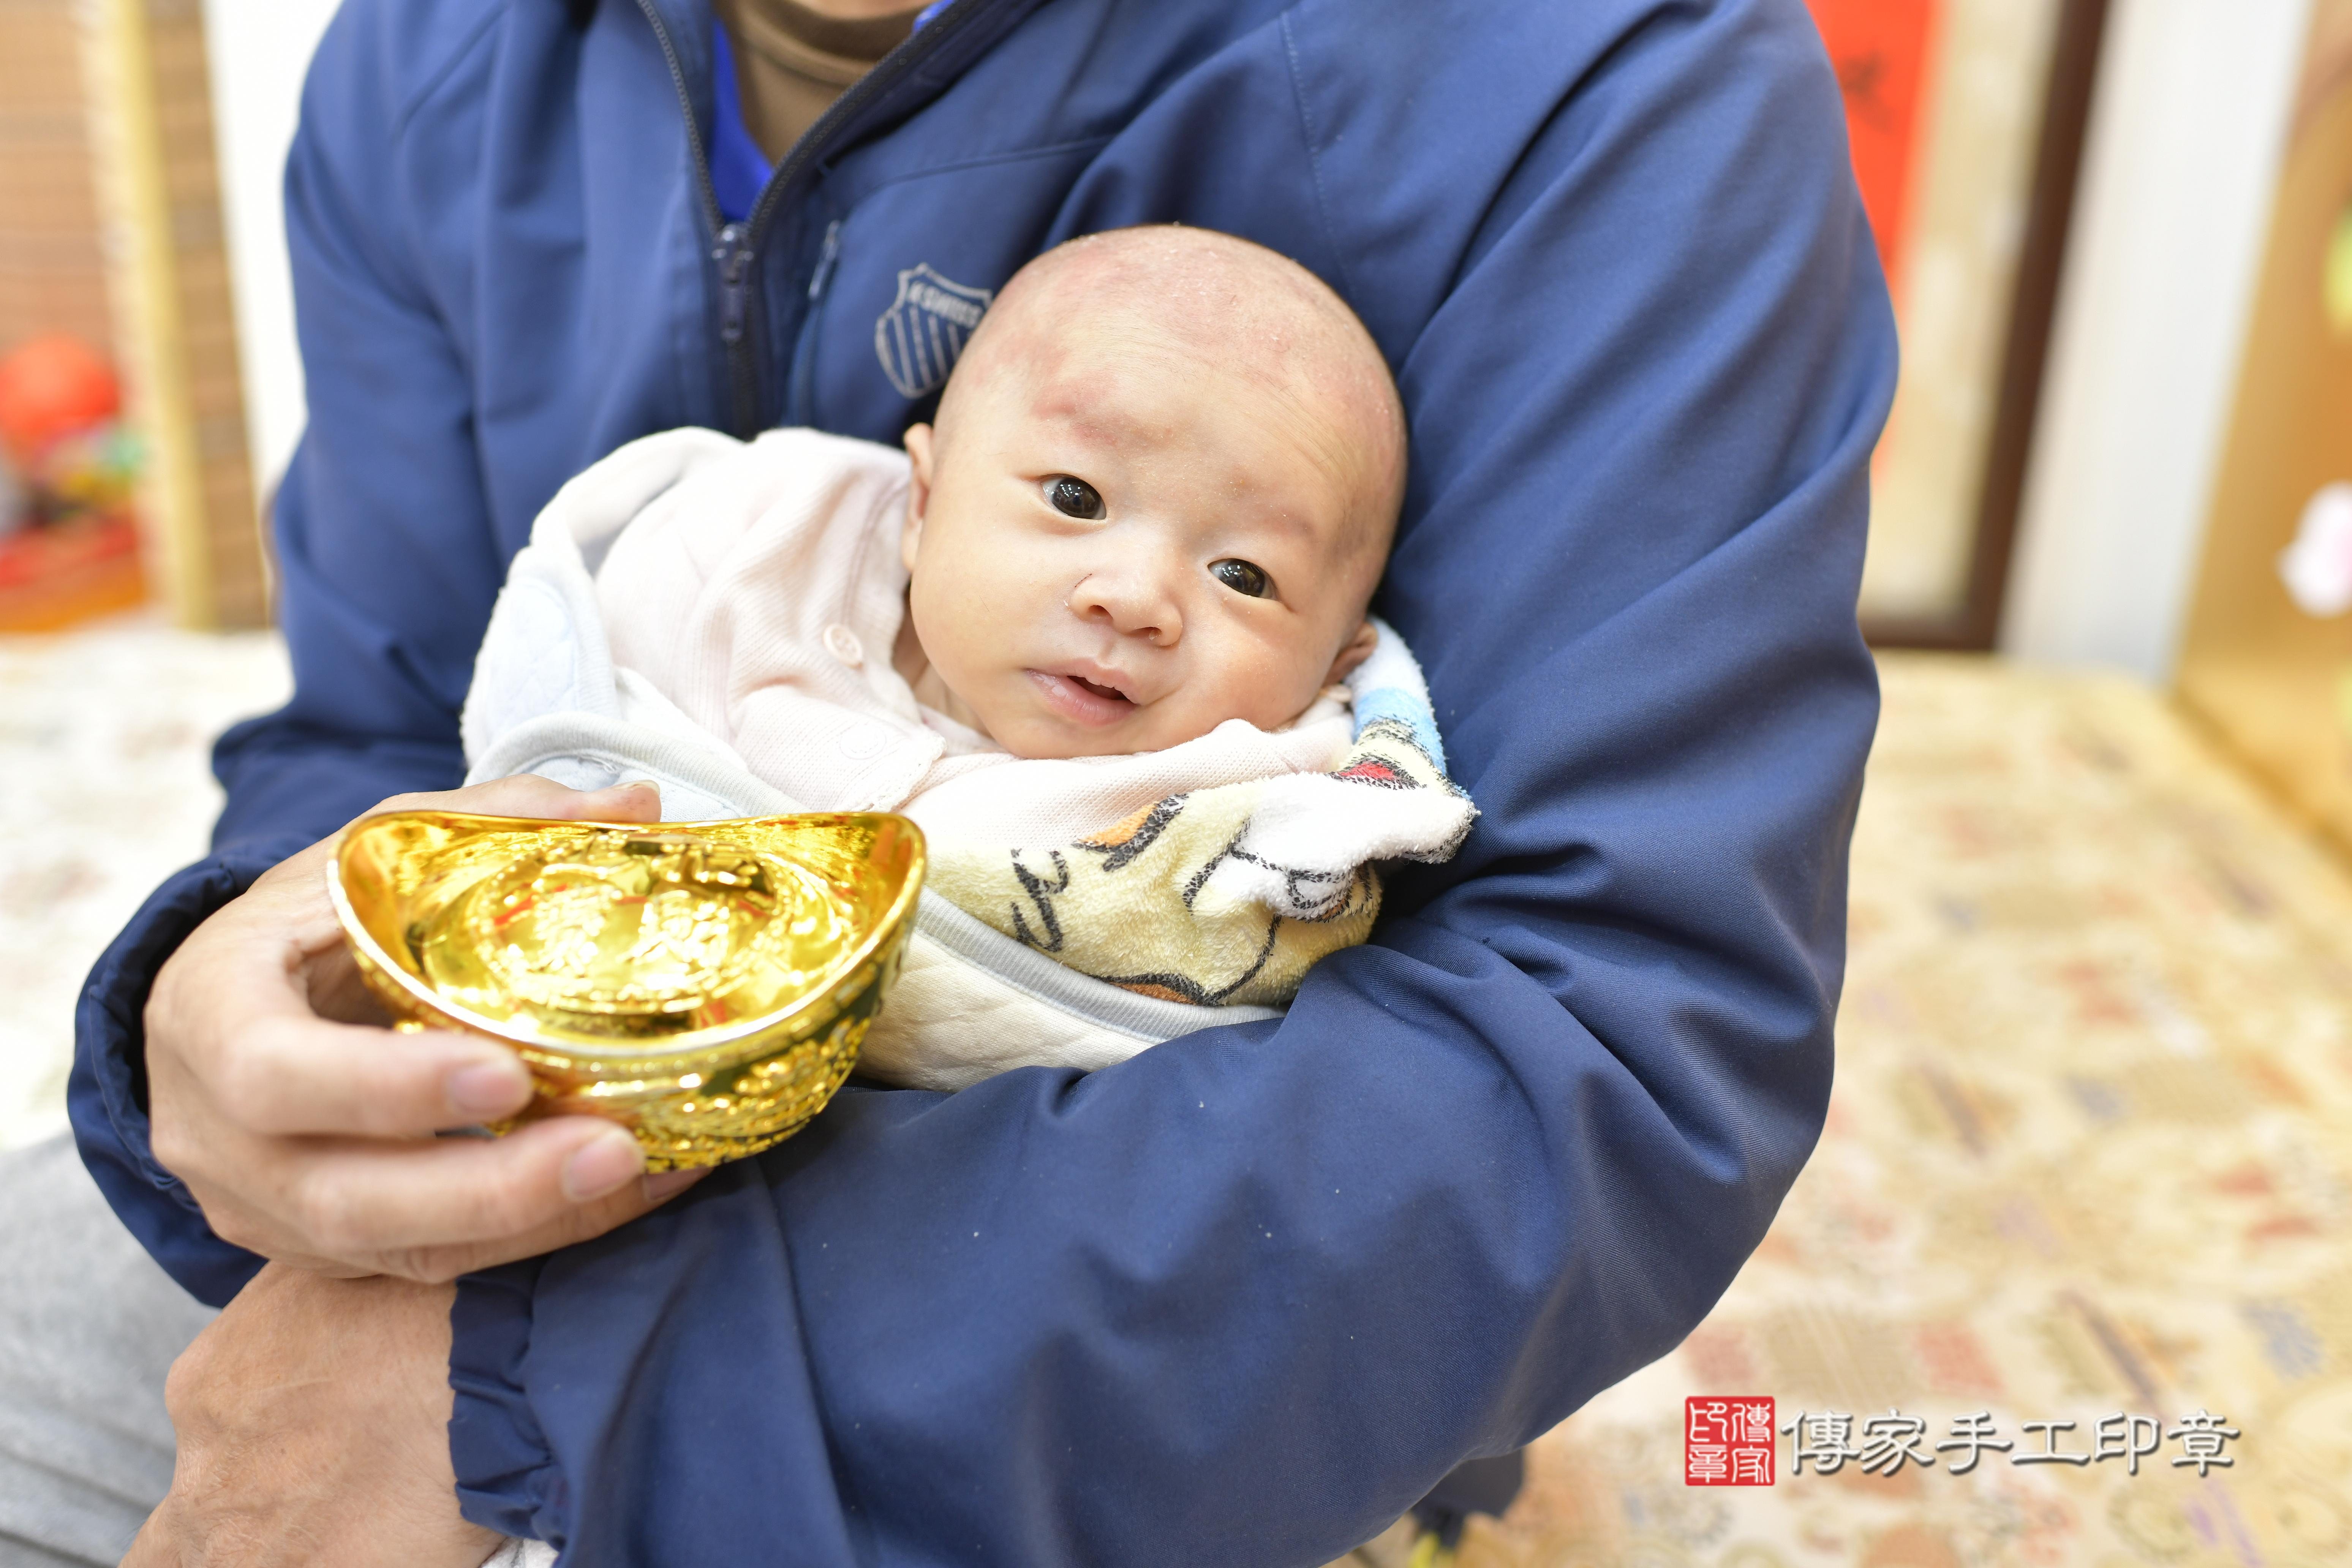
(662, 1185)
(488, 1089)
(602, 1164)
(643, 784)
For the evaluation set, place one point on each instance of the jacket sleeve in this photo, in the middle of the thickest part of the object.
(1247, 1296)
(386, 568)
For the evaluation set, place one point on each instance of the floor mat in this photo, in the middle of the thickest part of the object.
(105, 790)
(2086, 1159)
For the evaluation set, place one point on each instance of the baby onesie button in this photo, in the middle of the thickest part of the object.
(843, 644)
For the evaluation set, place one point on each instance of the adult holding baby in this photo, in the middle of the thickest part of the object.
(1248, 1295)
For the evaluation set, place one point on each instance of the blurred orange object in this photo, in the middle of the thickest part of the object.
(1881, 50)
(52, 387)
(53, 577)
(72, 551)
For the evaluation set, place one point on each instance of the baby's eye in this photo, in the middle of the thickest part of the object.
(1074, 498)
(1243, 577)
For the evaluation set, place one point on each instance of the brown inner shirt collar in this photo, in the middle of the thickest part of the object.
(791, 62)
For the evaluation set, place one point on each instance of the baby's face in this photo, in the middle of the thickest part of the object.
(1116, 547)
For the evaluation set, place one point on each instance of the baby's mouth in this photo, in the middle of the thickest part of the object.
(1084, 701)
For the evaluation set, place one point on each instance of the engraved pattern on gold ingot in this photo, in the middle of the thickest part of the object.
(707, 984)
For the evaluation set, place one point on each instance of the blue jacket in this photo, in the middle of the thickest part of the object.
(1245, 1298)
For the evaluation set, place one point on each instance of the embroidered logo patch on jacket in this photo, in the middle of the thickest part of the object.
(918, 338)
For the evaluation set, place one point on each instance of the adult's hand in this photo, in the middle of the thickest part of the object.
(305, 1128)
(312, 1418)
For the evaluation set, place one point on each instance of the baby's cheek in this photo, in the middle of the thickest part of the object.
(1268, 687)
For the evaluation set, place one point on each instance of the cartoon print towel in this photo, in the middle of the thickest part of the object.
(1226, 895)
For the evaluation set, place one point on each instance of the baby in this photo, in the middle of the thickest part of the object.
(1120, 579)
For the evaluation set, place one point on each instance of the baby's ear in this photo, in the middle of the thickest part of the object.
(1357, 649)
(918, 492)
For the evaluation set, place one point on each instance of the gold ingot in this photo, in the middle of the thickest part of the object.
(706, 984)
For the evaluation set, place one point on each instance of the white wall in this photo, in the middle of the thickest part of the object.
(2187, 135)
(260, 50)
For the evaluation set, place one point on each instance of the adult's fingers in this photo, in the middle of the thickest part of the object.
(295, 1074)
(230, 1020)
(527, 795)
(282, 1238)
(585, 1223)
(269, 1063)
(296, 886)
(357, 1200)
(305, 1137)
(293, 893)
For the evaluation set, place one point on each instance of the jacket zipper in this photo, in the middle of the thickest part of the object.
(733, 254)
(732, 251)
(736, 250)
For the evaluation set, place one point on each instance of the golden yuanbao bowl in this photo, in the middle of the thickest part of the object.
(705, 983)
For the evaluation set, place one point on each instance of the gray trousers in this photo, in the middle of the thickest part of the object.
(89, 1326)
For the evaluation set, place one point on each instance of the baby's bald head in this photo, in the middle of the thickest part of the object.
(1233, 308)
(1162, 486)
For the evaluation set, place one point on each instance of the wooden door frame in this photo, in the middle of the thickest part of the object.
(2057, 170)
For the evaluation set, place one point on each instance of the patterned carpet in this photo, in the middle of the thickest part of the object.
(104, 791)
(2088, 1155)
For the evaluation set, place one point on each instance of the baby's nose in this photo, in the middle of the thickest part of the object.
(1134, 604)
